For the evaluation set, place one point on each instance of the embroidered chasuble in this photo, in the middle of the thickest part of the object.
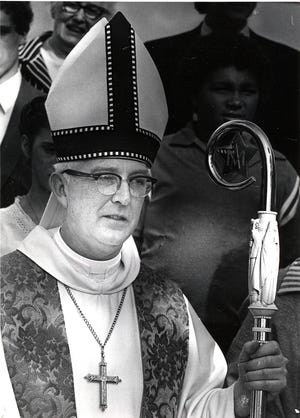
(36, 345)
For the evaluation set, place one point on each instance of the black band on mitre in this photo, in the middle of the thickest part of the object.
(107, 100)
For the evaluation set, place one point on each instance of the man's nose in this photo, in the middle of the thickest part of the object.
(79, 15)
(122, 195)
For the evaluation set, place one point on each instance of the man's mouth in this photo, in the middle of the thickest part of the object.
(77, 29)
(119, 218)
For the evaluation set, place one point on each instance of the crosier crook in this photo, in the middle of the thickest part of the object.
(264, 242)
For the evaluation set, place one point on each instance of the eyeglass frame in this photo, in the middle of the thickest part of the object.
(66, 4)
(96, 176)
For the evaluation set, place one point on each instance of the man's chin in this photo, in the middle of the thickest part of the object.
(72, 38)
(115, 238)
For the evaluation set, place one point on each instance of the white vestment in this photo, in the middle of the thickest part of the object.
(15, 225)
(97, 287)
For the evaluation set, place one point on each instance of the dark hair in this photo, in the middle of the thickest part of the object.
(33, 118)
(20, 13)
(201, 6)
(212, 52)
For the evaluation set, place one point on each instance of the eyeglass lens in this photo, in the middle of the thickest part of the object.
(90, 12)
(108, 184)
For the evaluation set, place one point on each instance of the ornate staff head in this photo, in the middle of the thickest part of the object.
(234, 150)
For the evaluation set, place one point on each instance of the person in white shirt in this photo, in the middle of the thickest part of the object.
(18, 219)
(15, 18)
(85, 327)
(42, 56)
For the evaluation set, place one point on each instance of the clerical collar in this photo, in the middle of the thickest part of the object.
(90, 268)
(205, 30)
(47, 249)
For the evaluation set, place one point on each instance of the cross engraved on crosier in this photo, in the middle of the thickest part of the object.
(103, 380)
(235, 156)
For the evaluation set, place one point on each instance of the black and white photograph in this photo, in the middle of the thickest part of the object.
(150, 209)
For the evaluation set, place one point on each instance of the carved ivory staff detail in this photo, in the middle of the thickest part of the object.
(264, 242)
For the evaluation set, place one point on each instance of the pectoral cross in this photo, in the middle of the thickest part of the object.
(103, 379)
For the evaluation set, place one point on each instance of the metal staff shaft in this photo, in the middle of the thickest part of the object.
(262, 277)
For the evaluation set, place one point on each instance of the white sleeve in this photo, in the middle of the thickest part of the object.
(202, 394)
(8, 404)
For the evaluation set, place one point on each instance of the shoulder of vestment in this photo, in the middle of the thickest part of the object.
(17, 267)
(150, 278)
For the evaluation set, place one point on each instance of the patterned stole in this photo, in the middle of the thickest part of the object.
(37, 351)
(163, 323)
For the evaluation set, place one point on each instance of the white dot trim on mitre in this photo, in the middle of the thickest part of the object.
(134, 77)
(103, 154)
(148, 133)
(109, 77)
(74, 131)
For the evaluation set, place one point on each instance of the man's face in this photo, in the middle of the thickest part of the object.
(97, 225)
(9, 43)
(234, 10)
(72, 20)
(226, 94)
(229, 17)
(42, 158)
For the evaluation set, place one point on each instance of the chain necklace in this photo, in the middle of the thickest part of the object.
(102, 378)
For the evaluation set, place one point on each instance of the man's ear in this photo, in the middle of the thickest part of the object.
(26, 146)
(59, 187)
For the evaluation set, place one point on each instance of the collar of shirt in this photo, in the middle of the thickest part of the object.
(186, 137)
(52, 61)
(9, 90)
(206, 30)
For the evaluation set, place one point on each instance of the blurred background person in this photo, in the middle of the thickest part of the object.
(42, 56)
(15, 21)
(195, 231)
(18, 219)
(280, 118)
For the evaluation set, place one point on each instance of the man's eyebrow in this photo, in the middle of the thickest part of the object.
(140, 172)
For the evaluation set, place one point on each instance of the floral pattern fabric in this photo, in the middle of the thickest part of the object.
(34, 340)
(163, 323)
(37, 351)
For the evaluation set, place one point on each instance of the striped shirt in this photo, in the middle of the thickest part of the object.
(291, 281)
(33, 67)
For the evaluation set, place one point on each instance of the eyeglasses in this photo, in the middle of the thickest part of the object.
(109, 183)
(90, 12)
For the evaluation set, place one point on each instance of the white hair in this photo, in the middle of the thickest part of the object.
(59, 168)
(68, 165)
